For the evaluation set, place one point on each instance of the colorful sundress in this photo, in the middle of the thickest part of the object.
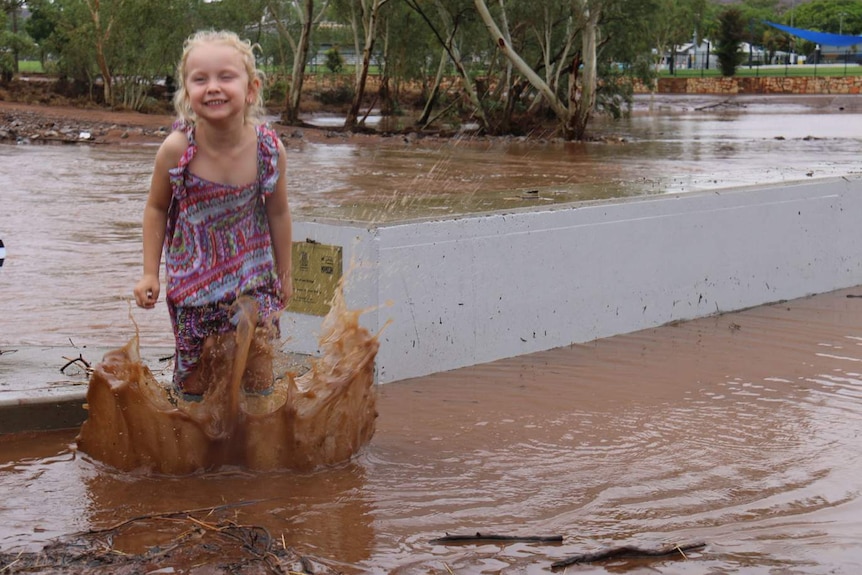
(218, 247)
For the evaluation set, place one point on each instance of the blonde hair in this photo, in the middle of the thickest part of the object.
(255, 110)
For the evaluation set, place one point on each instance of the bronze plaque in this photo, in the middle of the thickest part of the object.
(317, 269)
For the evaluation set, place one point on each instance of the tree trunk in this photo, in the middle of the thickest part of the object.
(435, 92)
(369, 20)
(584, 101)
(467, 82)
(300, 58)
(384, 93)
(107, 80)
(102, 36)
(560, 109)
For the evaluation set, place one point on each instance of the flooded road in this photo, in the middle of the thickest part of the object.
(741, 431)
(70, 215)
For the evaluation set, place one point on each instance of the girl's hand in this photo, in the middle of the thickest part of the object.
(286, 289)
(147, 291)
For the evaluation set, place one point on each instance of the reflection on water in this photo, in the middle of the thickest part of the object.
(740, 430)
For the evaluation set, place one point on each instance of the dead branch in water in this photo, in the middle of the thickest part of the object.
(171, 515)
(87, 367)
(481, 538)
(223, 545)
(715, 105)
(628, 551)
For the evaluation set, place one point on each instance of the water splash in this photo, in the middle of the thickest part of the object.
(321, 418)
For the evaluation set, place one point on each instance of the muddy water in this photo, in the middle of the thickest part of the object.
(740, 430)
(321, 418)
(69, 215)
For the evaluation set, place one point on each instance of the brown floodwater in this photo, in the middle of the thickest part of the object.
(70, 216)
(740, 430)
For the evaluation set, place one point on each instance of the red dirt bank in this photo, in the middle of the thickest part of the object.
(39, 123)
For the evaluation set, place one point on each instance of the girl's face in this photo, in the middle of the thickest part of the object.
(217, 83)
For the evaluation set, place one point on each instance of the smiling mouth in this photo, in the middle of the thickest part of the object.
(216, 102)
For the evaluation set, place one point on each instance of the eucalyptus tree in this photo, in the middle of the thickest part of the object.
(453, 25)
(69, 37)
(576, 53)
(116, 41)
(365, 18)
(92, 38)
(673, 23)
(410, 54)
(143, 55)
(289, 17)
(103, 15)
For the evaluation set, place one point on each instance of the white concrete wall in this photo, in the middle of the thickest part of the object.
(475, 289)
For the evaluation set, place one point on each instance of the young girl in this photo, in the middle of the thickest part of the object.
(218, 205)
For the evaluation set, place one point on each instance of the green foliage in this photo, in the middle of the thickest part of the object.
(141, 52)
(334, 61)
(626, 54)
(754, 13)
(275, 89)
(835, 16)
(731, 34)
(342, 94)
(42, 21)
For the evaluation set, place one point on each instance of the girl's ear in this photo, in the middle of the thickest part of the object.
(253, 89)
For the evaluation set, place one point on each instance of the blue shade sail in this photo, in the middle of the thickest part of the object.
(822, 38)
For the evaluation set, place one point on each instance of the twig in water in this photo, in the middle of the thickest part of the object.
(9, 566)
(480, 537)
(81, 359)
(171, 514)
(628, 551)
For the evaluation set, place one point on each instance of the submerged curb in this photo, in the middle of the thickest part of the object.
(45, 387)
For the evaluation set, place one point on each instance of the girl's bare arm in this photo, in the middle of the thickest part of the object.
(280, 227)
(155, 218)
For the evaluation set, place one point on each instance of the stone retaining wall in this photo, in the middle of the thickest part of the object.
(766, 85)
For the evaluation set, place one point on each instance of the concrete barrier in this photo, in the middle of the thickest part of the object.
(476, 289)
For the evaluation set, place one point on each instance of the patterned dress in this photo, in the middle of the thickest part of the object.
(217, 248)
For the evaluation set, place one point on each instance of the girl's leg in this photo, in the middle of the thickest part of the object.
(199, 378)
(258, 376)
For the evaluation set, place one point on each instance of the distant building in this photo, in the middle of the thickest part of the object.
(690, 57)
